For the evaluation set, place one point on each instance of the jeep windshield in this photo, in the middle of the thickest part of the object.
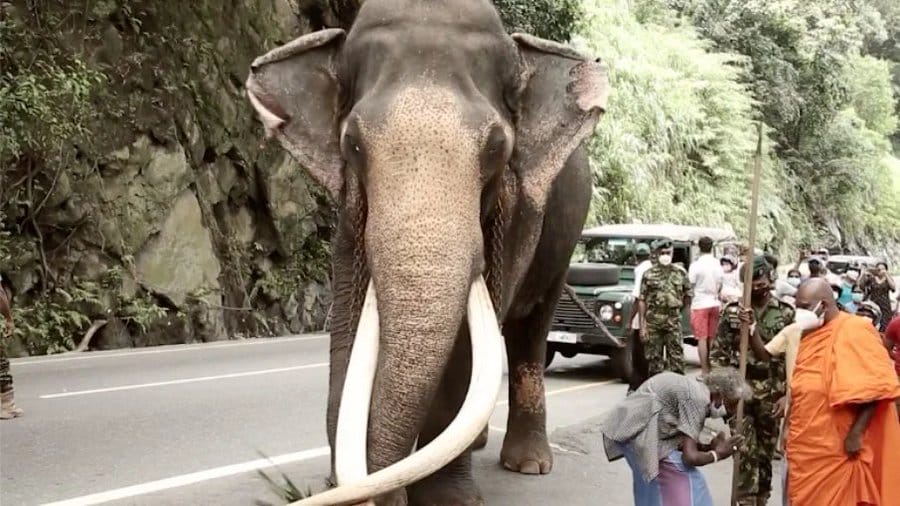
(607, 250)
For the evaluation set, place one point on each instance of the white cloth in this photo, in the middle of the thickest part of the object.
(636, 291)
(706, 277)
(731, 286)
(783, 289)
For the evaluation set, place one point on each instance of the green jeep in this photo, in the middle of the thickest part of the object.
(601, 277)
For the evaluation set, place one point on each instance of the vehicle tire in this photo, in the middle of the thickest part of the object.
(621, 361)
(548, 357)
(593, 274)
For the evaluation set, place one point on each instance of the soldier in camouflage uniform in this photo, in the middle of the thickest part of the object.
(762, 413)
(8, 408)
(665, 290)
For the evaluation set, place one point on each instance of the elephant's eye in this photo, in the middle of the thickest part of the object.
(496, 150)
(352, 149)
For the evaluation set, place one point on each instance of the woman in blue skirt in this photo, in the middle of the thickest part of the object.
(657, 429)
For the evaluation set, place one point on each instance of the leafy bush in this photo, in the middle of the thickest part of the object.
(549, 19)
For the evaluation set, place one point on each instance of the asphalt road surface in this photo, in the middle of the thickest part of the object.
(192, 425)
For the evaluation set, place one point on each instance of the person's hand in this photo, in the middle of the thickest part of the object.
(745, 315)
(719, 439)
(10, 328)
(728, 447)
(853, 444)
(643, 333)
(779, 407)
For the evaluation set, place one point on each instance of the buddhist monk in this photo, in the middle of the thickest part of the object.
(843, 436)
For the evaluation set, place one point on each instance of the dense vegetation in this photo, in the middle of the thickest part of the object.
(81, 83)
(691, 76)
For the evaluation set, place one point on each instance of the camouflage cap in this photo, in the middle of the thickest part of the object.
(661, 244)
(761, 267)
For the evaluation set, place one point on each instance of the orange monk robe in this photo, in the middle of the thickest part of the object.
(839, 366)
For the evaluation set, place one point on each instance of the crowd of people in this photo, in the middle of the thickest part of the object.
(822, 383)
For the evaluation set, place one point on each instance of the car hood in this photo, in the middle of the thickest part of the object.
(615, 293)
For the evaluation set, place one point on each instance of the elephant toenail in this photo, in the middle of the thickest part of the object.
(530, 467)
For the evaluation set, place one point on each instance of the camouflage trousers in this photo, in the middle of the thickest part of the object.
(663, 347)
(6, 380)
(760, 431)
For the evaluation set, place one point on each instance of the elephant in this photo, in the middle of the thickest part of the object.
(454, 153)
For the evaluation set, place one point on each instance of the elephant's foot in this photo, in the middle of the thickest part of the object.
(527, 452)
(438, 490)
(481, 441)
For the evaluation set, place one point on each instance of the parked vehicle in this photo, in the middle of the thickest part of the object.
(601, 278)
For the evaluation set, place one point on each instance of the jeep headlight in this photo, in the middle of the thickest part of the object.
(606, 312)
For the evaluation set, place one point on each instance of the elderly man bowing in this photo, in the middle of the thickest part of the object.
(843, 436)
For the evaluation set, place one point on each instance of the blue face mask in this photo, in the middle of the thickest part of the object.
(857, 297)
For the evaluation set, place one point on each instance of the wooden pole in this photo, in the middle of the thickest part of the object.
(748, 285)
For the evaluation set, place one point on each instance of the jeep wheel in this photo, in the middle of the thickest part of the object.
(548, 357)
(621, 362)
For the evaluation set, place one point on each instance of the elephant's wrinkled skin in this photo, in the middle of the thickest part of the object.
(415, 121)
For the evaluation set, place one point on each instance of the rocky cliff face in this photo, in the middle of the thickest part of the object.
(167, 196)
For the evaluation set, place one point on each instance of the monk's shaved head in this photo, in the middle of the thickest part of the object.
(816, 288)
(814, 291)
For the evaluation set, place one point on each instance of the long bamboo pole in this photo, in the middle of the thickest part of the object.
(748, 285)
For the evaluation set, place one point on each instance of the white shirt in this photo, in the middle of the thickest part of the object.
(732, 288)
(706, 276)
(636, 292)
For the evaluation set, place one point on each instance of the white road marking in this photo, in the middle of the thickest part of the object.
(221, 472)
(182, 381)
(190, 479)
(87, 355)
(568, 389)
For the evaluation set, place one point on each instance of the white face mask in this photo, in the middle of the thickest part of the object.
(717, 411)
(665, 259)
(795, 282)
(857, 297)
(809, 320)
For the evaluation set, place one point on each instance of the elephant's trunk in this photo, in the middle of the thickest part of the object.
(475, 412)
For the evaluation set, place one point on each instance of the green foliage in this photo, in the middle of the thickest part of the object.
(52, 323)
(311, 261)
(549, 19)
(828, 108)
(676, 143)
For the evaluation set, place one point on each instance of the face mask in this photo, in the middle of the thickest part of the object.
(665, 259)
(717, 411)
(809, 320)
(760, 293)
(795, 282)
(857, 297)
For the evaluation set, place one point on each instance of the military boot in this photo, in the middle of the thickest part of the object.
(8, 407)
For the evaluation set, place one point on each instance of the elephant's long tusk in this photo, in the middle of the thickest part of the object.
(353, 418)
(484, 386)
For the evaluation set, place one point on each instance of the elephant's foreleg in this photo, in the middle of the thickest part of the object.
(453, 484)
(525, 446)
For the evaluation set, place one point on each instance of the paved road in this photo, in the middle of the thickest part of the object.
(189, 425)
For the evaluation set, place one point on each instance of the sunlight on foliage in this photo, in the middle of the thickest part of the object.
(689, 79)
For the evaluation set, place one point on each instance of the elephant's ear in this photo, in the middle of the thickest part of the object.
(562, 96)
(295, 91)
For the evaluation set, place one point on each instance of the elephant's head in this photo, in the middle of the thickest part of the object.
(416, 117)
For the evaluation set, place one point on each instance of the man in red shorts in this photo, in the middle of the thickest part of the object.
(705, 275)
